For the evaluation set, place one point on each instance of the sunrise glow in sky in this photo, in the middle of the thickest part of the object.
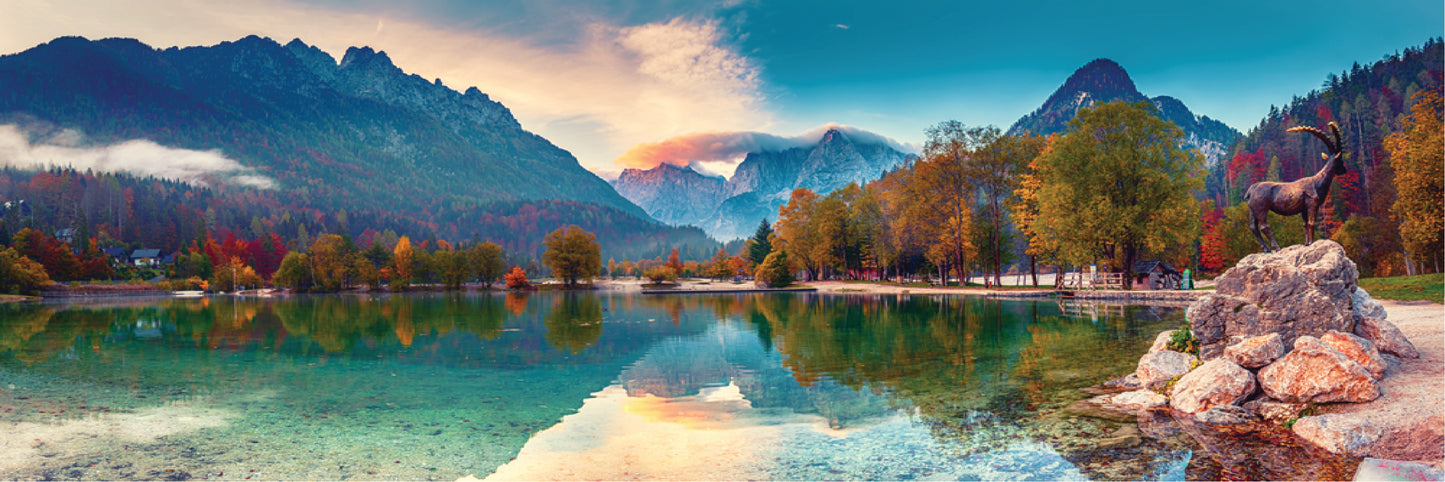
(599, 78)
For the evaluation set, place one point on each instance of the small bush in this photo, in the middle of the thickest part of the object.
(1183, 341)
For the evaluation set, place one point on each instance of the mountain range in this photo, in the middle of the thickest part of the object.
(732, 208)
(1103, 80)
(356, 140)
(357, 131)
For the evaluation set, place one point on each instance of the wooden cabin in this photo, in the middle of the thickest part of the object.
(1155, 275)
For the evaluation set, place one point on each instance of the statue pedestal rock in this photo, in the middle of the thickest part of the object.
(1283, 330)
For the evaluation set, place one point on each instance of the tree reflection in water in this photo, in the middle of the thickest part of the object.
(982, 375)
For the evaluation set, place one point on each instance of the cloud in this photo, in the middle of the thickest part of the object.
(575, 80)
(720, 152)
(841, 26)
(138, 157)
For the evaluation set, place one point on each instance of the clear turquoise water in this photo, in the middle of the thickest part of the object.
(569, 386)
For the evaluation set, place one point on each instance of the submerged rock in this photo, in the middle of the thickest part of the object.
(1255, 351)
(1218, 382)
(1316, 372)
(1117, 406)
(1126, 437)
(1275, 411)
(1386, 337)
(1358, 350)
(1226, 415)
(1382, 469)
(1337, 433)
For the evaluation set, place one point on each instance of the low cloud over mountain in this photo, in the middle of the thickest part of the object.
(140, 157)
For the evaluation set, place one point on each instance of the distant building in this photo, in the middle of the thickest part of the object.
(145, 257)
(1155, 275)
(66, 236)
(118, 256)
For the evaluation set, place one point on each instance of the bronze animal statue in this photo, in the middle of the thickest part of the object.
(1303, 196)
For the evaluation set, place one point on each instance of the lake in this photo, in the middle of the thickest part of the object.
(570, 386)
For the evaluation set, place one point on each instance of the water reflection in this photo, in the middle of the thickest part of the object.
(780, 385)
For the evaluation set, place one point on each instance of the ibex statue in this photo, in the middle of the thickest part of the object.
(1304, 195)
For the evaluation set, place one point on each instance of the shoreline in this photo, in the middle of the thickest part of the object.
(1410, 412)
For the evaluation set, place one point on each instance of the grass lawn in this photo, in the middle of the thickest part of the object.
(1427, 287)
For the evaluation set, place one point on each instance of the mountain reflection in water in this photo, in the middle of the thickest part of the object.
(580, 385)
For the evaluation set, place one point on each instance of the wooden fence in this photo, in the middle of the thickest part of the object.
(1083, 281)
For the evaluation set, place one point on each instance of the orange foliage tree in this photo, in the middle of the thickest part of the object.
(517, 279)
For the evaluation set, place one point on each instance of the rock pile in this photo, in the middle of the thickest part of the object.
(1283, 331)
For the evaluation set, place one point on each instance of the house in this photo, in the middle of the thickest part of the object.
(66, 235)
(145, 257)
(118, 256)
(1155, 275)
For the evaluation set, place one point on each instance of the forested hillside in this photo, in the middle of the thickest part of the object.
(123, 210)
(1369, 103)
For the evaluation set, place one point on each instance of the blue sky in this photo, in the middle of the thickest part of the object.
(599, 78)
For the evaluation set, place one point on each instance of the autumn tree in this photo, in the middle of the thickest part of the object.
(59, 262)
(995, 171)
(21, 275)
(718, 267)
(797, 231)
(1118, 182)
(295, 272)
(1417, 156)
(402, 269)
(451, 266)
(236, 274)
(1043, 244)
(673, 262)
(776, 271)
(489, 261)
(942, 186)
(517, 279)
(573, 254)
(366, 273)
(333, 258)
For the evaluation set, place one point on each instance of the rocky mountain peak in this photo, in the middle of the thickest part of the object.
(1102, 77)
(1103, 80)
(732, 208)
(366, 58)
(314, 59)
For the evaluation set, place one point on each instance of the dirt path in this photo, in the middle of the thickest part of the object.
(1410, 412)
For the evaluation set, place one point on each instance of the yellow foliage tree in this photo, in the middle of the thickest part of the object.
(573, 254)
(1417, 156)
(1118, 184)
(401, 260)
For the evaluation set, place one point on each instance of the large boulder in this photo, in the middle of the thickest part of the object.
(1218, 382)
(1316, 372)
(1358, 350)
(1337, 433)
(1365, 306)
(1255, 351)
(1157, 368)
(1296, 291)
(1386, 337)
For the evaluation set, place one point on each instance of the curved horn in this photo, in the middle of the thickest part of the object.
(1318, 133)
(1339, 141)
